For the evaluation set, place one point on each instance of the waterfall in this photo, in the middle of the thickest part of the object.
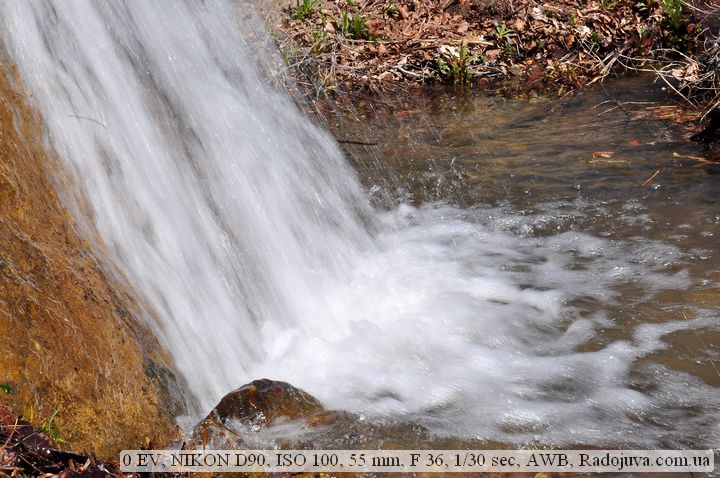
(216, 197)
(255, 253)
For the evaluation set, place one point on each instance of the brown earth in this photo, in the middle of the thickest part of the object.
(358, 46)
(73, 360)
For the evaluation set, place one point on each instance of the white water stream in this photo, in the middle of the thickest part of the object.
(252, 244)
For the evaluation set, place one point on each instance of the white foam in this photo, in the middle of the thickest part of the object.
(471, 328)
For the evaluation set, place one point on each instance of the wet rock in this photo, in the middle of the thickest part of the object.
(264, 401)
(70, 346)
(268, 414)
(252, 408)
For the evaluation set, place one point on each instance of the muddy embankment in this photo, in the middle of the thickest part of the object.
(73, 359)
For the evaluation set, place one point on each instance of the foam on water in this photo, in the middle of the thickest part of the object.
(480, 331)
(252, 245)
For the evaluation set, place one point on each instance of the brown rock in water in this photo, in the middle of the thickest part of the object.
(69, 345)
(268, 414)
(254, 407)
(260, 405)
(264, 401)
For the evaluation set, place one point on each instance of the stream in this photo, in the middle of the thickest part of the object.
(479, 271)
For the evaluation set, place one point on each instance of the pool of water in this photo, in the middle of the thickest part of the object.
(598, 317)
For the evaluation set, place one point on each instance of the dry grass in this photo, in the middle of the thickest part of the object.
(694, 75)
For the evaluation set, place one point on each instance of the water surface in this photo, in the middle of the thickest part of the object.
(600, 292)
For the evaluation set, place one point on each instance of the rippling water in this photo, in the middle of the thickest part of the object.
(508, 290)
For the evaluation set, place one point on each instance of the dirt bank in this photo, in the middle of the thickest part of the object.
(72, 357)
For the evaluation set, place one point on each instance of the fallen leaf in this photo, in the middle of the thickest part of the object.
(538, 14)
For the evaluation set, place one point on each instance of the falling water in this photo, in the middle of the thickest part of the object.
(256, 254)
(219, 202)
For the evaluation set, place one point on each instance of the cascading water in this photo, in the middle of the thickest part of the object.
(255, 251)
(217, 200)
